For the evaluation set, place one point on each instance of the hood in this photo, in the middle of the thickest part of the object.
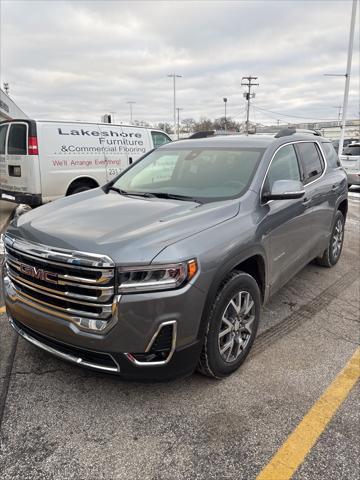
(127, 229)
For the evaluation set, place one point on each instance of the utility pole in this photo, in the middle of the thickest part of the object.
(225, 102)
(174, 76)
(347, 76)
(248, 83)
(131, 103)
(178, 121)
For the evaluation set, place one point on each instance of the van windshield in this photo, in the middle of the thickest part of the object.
(199, 173)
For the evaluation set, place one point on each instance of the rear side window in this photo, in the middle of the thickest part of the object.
(311, 161)
(283, 167)
(3, 130)
(17, 139)
(159, 139)
(331, 155)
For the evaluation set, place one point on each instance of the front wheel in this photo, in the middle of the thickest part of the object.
(332, 254)
(232, 326)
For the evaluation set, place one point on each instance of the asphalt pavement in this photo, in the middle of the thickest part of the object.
(62, 422)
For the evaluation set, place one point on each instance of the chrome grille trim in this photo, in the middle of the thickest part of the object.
(78, 299)
(55, 309)
(59, 255)
(106, 292)
(79, 291)
(107, 274)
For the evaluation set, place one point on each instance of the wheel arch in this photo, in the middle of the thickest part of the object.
(254, 263)
(84, 179)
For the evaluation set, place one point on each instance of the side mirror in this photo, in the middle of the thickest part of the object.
(284, 190)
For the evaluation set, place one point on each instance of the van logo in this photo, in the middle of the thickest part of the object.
(38, 273)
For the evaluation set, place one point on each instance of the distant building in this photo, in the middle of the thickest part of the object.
(330, 130)
(8, 108)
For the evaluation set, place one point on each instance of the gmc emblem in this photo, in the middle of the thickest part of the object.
(38, 273)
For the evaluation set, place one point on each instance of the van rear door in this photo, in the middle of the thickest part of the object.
(19, 162)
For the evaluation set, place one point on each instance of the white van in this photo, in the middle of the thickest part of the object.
(41, 161)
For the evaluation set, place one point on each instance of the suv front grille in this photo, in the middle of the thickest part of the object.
(61, 282)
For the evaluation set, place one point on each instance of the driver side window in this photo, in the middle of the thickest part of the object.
(283, 167)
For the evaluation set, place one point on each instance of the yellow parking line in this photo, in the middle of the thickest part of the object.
(2, 310)
(292, 453)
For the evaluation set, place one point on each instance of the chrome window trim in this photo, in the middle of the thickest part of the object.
(62, 355)
(294, 142)
(152, 340)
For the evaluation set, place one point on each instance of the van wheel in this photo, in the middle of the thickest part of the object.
(80, 187)
(332, 254)
(232, 326)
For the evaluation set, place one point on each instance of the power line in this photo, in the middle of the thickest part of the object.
(293, 116)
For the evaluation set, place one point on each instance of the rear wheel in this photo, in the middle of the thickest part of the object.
(232, 326)
(332, 254)
(81, 186)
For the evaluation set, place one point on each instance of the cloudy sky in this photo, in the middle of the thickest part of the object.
(80, 59)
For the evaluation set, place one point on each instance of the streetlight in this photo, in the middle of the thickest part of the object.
(131, 103)
(174, 76)
(225, 102)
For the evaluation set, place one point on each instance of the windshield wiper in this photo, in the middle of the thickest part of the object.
(124, 192)
(118, 190)
(174, 196)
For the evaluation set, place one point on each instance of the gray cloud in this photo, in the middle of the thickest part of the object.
(80, 59)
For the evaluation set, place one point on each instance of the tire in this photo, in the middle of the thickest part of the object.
(215, 360)
(332, 254)
(80, 188)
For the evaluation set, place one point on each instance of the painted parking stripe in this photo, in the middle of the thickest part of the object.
(292, 453)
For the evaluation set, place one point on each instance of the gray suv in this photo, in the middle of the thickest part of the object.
(166, 268)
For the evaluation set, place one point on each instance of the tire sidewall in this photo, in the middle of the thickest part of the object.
(339, 216)
(238, 281)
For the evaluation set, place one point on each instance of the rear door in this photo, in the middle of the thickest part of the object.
(285, 223)
(19, 166)
(318, 199)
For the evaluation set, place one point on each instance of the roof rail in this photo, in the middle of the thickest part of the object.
(291, 131)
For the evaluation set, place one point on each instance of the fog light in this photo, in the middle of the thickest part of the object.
(91, 325)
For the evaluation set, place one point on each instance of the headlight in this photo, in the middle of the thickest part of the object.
(156, 277)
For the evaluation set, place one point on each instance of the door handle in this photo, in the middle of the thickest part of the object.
(335, 187)
(306, 202)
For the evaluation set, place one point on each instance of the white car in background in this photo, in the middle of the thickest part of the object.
(350, 160)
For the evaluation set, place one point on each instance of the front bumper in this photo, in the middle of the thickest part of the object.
(139, 317)
(32, 199)
(353, 178)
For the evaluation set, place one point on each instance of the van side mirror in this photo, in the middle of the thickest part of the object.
(284, 190)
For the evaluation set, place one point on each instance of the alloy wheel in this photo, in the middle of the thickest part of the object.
(236, 326)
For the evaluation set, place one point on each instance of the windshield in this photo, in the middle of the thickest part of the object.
(204, 174)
